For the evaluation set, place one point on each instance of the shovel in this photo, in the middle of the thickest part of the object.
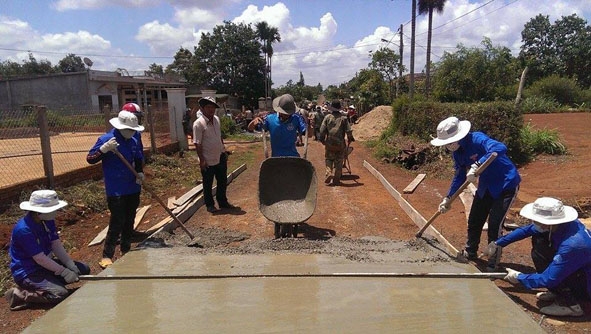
(158, 199)
(458, 192)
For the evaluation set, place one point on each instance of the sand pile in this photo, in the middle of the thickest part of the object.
(371, 125)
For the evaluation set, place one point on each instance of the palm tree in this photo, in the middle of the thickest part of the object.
(268, 35)
(427, 6)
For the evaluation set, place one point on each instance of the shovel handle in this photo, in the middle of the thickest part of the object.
(458, 192)
(153, 193)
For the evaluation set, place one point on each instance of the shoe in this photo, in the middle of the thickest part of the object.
(14, 301)
(469, 255)
(328, 179)
(227, 206)
(546, 296)
(105, 262)
(212, 209)
(563, 311)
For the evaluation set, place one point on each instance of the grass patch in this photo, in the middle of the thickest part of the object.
(542, 141)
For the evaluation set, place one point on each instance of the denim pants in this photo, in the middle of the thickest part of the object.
(493, 209)
(123, 210)
(45, 287)
(220, 172)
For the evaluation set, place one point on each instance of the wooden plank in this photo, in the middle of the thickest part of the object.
(190, 208)
(413, 185)
(170, 204)
(139, 215)
(103, 234)
(189, 195)
(416, 217)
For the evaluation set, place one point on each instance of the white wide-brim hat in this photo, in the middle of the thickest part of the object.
(126, 120)
(451, 130)
(549, 211)
(43, 201)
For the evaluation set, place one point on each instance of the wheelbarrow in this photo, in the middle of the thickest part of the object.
(346, 163)
(287, 193)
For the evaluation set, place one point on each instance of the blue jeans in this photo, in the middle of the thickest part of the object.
(123, 210)
(493, 209)
(220, 172)
(45, 287)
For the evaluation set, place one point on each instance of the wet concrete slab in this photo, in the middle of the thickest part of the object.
(307, 304)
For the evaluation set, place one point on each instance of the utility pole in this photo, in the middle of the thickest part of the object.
(400, 66)
(411, 89)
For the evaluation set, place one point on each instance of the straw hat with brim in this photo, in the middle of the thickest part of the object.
(284, 104)
(549, 211)
(335, 106)
(207, 100)
(43, 201)
(451, 130)
(126, 120)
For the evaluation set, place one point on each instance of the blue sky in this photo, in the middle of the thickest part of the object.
(327, 40)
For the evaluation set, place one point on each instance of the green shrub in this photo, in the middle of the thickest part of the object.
(228, 126)
(562, 90)
(541, 141)
(539, 105)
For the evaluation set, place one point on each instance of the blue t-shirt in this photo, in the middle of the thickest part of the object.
(29, 238)
(284, 134)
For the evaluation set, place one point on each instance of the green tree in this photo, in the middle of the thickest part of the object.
(267, 35)
(33, 67)
(70, 63)
(156, 69)
(427, 7)
(387, 63)
(369, 88)
(228, 60)
(475, 74)
(10, 69)
(562, 48)
(183, 65)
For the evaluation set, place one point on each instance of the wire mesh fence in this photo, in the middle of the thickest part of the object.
(39, 143)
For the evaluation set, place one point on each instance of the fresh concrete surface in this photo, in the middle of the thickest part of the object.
(282, 304)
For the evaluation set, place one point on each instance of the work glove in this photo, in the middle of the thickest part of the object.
(109, 146)
(69, 276)
(445, 205)
(471, 175)
(491, 249)
(512, 276)
(72, 266)
(140, 178)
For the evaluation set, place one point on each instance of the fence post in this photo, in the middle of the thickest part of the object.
(107, 113)
(151, 129)
(45, 144)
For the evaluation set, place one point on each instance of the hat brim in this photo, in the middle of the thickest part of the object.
(118, 125)
(204, 102)
(570, 214)
(42, 209)
(464, 128)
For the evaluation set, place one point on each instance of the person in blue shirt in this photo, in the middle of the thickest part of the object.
(283, 126)
(121, 185)
(40, 277)
(561, 253)
(497, 185)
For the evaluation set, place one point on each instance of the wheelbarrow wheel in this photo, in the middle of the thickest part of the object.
(277, 230)
(295, 231)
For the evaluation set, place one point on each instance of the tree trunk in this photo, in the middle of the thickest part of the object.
(521, 84)
(412, 49)
(428, 65)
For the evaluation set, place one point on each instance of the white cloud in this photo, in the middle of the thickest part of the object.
(64, 5)
(164, 39)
